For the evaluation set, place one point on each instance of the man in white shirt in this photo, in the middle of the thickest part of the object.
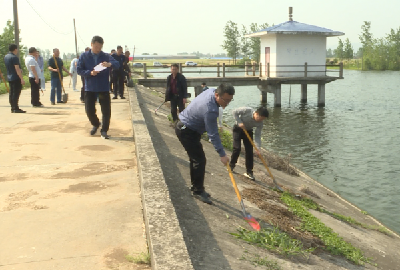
(34, 73)
(73, 71)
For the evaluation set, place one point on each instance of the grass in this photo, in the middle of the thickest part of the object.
(142, 258)
(273, 240)
(225, 136)
(333, 242)
(257, 260)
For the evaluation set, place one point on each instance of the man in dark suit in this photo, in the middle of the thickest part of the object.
(176, 91)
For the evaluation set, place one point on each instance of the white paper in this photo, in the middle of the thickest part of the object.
(99, 67)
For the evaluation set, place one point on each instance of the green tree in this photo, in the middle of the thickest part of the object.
(339, 51)
(245, 46)
(329, 53)
(367, 42)
(348, 50)
(255, 42)
(232, 40)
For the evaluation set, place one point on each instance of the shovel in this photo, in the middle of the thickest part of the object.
(252, 221)
(2, 78)
(263, 161)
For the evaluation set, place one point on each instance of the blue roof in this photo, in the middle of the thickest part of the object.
(294, 27)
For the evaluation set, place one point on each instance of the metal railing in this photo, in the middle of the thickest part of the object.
(305, 69)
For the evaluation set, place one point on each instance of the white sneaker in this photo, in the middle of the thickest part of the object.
(249, 175)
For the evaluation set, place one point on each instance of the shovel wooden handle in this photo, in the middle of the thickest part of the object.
(2, 78)
(234, 183)
(59, 75)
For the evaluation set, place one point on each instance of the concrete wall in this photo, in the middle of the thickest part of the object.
(268, 41)
(294, 50)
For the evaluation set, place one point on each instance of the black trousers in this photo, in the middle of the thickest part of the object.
(15, 92)
(176, 101)
(238, 136)
(105, 104)
(83, 88)
(118, 83)
(35, 95)
(190, 140)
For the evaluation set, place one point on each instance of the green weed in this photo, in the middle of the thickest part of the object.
(256, 259)
(142, 258)
(273, 240)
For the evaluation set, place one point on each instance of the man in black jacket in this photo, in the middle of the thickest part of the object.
(176, 91)
(119, 74)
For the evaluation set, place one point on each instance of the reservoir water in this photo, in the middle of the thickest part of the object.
(352, 146)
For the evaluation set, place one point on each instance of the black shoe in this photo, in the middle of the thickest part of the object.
(18, 111)
(104, 135)
(94, 130)
(53, 103)
(60, 101)
(249, 175)
(232, 167)
(82, 101)
(122, 97)
(114, 98)
(202, 196)
(193, 190)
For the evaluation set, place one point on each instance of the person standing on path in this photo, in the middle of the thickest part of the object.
(56, 73)
(97, 84)
(41, 77)
(176, 91)
(34, 80)
(201, 116)
(14, 77)
(83, 81)
(72, 70)
(118, 74)
(247, 118)
(127, 68)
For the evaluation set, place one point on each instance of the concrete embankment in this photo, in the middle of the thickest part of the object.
(202, 231)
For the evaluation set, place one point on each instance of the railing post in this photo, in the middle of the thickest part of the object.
(246, 68)
(223, 70)
(254, 68)
(144, 71)
(218, 70)
(180, 68)
(305, 69)
(268, 70)
(341, 70)
(260, 69)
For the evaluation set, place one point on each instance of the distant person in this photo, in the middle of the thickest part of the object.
(201, 116)
(41, 65)
(34, 70)
(97, 85)
(56, 73)
(247, 118)
(176, 91)
(111, 72)
(118, 74)
(199, 90)
(72, 70)
(83, 81)
(204, 86)
(127, 68)
(14, 77)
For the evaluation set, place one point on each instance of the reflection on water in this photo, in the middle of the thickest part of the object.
(351, 146)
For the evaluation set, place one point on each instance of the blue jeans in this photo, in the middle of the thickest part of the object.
(55, 83)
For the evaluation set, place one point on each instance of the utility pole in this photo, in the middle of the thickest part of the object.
(133, 53)
(76, 43)
(16, 25)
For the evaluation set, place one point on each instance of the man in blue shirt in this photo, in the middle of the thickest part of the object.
(14, 77)
(201, 116)
(56, 74)
(118, 74)
(97, 84)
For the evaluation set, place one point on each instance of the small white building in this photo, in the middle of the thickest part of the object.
(289, 45)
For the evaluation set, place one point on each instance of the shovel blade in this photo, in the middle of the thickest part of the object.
(253, 223)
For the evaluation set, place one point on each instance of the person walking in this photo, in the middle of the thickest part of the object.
(72, 70)
(34, 70)
(247, 118)
(14, 77)
(97, 84)
(201, 116)
(41, 77)
(83, 81)
(56, 74)
(118, 74)
(176, 91)
(127, 68)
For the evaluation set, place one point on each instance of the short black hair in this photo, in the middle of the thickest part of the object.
(119, 47)
(175, 65)
(12, 47)
(225, 88)
(262, 111)
(87, 49)
(203, 83)
(32, 49)
(113, 50)
(98, 39)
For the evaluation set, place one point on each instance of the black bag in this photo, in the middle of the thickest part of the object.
(130, 83)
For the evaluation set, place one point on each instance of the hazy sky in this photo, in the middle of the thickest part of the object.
(172, 26)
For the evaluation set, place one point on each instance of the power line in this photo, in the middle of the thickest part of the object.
(81, 39)
(51, 27)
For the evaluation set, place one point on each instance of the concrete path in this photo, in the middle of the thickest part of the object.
(68, 200)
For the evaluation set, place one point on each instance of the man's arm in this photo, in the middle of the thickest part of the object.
(52, 65)
(81, 67)
(114, 63)
(33, 68)
(66, 70)
(210, 120)
(184, 87)
(19, 73)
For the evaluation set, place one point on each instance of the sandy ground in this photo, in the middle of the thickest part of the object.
(68, 200)
(206, 227)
